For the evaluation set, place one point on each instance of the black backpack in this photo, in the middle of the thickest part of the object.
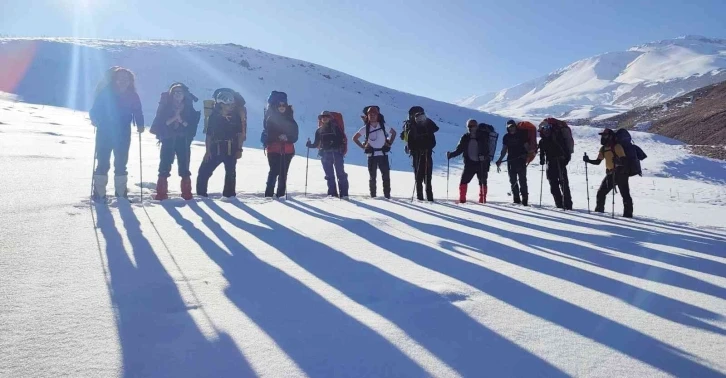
(486, 133)
(633, 153)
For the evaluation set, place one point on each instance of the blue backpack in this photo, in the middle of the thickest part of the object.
(273, 99)
(633, 153)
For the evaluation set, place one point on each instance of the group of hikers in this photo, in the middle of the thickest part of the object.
(117, 106)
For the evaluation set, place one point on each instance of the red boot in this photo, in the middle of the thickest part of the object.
(462, 193)
(186, 188)
(483, 194)
(162, 188)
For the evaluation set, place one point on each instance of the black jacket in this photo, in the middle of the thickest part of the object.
(327, 138)
(553, 150)
(421, 138)
(461, 148)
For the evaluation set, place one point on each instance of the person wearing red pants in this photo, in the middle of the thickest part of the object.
(474, 145)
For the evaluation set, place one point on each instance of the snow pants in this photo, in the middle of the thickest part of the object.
(334, 165)
(279, 165)
(374, 164)
(423, 166)
(179, 147)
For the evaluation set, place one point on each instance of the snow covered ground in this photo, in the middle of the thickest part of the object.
(321, 287)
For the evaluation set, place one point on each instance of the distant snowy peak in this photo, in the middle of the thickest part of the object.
(613, 82)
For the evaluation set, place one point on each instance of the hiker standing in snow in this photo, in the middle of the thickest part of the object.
(114, 109)
(420, 141)
(475, 146)
(225, 136)
(279, 135)
(175, 126)
(330, 141)
(516, 145)
(554, 152)
(615, 172)
(377, 144)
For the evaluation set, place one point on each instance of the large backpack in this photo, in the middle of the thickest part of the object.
(529, 130)
(633, 153)
(275, 97)
(211, 107)
(486, 132)
(562, 133)
(337, 119)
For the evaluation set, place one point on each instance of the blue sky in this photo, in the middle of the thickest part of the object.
(440, 49)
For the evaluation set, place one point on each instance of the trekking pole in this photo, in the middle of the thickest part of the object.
(613, 195)
(447, 180)
(307, 162)
(141, 172)
(587, 182)
(93, 168)
(541, 183)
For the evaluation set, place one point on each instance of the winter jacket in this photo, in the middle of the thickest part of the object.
(166, 111)
(327, 138)
(463, 146)
(553, 150)
(421, 137)
(277, 124)
(223, 133)
(114, 112)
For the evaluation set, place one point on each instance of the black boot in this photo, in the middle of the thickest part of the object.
(628, 210)
(525, 200)
(517, 200)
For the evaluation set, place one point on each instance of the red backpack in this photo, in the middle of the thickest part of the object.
(531, 131)
(337, 118)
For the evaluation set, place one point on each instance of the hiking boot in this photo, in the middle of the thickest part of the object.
(99, 187)
(525, 200)
(119, 182)
(162, 187)
(483, 194)
(186, 188)
(462, 193)
(628, 210)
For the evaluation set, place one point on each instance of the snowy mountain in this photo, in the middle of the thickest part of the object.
(614, 82)
(64, 72)
(318, 287)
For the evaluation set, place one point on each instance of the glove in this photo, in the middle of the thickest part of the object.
(448, 155)
(499, 162)
(140, 129)
(309, 145)
(542, 161)
(585, 159)
(239, 154)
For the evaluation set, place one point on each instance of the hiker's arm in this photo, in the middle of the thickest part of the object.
(597, 161)
(392, 138)
(316, 141)
(459, 149)
(504, 152)
(356, 140)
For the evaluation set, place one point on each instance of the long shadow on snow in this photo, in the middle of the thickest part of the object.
(627, 240)
(659, 305)
(158, 336)
(699, 240)
(426, 316)
(322, 339)
(526, 298)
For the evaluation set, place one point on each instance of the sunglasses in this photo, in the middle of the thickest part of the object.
(282, 105)
(471, 126)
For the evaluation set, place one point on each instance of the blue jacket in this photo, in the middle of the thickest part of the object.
(113, 112)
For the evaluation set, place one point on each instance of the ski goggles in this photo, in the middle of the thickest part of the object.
(226, 98)
(420, 117)
(545, 127)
